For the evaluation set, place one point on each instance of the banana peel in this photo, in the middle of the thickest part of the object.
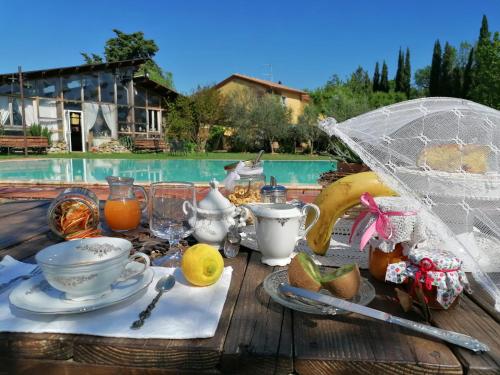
(335, 200)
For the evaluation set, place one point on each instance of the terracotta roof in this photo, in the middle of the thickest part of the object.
(268, 84)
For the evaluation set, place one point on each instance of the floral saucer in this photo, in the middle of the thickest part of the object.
(37, 296)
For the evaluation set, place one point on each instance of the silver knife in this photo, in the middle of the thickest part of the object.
(456, 338)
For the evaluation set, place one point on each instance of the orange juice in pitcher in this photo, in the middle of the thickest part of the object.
(123, 210)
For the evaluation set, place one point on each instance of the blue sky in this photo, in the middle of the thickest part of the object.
(203, 42)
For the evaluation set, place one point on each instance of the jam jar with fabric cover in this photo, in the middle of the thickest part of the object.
(438, 273)
(389, 226)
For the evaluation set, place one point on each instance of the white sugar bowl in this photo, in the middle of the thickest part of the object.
(215, 214)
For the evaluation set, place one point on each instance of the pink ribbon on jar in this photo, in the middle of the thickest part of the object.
(381, 225)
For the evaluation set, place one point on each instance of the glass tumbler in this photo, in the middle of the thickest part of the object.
(172, 216)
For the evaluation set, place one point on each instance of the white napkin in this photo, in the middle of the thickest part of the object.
(182, 313)
(11, 268)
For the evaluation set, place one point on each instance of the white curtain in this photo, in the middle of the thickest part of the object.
(30, 112)
(110, 115)
(90, 111)
(4, 110)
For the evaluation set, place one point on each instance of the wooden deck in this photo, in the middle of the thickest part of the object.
(254, 336)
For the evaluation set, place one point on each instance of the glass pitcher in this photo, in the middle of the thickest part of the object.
(123, 210)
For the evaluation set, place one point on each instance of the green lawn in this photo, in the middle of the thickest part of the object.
(209, 155)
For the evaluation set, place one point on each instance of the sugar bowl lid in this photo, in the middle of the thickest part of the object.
(214, 200)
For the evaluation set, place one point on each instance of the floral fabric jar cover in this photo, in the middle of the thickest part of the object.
(431, 267)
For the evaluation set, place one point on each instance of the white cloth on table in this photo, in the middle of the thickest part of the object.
(182, 313)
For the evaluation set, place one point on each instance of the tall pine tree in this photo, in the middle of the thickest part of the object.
(484, 33)
(376, 78)
(467, 81)
(384, 79)
(434, 80)
(407, 74)
(399, 72)
(446, 80)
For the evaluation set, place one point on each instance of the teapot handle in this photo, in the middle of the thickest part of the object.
(144, 204)
(309, 227)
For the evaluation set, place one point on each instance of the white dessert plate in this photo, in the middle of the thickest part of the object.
(37, 296)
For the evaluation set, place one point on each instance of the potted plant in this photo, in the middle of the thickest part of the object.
(346, 162)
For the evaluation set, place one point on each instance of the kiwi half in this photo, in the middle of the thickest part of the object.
(344, 282)
(304, 273)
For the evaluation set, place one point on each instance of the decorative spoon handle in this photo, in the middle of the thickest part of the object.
(146, 312)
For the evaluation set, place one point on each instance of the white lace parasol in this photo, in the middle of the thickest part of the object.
(446, 153)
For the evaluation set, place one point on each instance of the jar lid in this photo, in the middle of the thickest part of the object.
(441, 260)
(273, 187)
(214, 200)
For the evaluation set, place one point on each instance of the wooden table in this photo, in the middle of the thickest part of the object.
(255, 335)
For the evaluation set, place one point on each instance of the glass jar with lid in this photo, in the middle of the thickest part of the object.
(74, 213)
(273, 193)
(243, 184)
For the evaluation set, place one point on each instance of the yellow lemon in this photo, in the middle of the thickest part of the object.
(202, 264)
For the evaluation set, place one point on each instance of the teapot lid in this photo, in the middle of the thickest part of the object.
(214, 200)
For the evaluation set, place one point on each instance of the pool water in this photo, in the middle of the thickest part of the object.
(96, 170)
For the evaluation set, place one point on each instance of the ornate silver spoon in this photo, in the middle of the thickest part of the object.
(163, 285)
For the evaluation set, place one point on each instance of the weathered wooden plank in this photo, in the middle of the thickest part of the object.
(470, 319)
(173, 354)
(22, 226)
(482, 298)
(10, 208)
(354, 344)
(27, 249)
(10, 366)
(259, 339)
(41, 345)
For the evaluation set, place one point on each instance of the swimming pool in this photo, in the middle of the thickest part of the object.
(96, 170)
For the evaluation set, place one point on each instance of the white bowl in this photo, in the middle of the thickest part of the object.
(85, 269)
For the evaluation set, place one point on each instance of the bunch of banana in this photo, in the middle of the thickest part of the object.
(335, 200)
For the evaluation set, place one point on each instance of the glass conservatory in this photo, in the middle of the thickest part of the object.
(87, 105)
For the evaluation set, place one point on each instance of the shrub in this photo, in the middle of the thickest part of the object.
(127, 142)
(37, 130)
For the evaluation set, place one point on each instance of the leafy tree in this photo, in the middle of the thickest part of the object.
(207, 112)
(258, 121)
(463, 54)
(92, 58)
(359, 81)
(307, 127)
(400, 73)
(406, 77)
(435, 75)
(384, 80)
(446, 79)
(376, 78)
(484, 33)
(132, 46)
(422, 78)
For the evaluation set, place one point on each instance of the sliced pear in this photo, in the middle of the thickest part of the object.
(304, 273)
(344, 282)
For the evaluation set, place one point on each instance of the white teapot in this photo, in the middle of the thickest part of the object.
(277, 228)
(215, 214)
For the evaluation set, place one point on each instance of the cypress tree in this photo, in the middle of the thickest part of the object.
(376, 79)
(467, 84)
(399, 72)
(384, 80)
(446, 80)
(484, 33)
(434, 89)
(407, 74)
(456, 89)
